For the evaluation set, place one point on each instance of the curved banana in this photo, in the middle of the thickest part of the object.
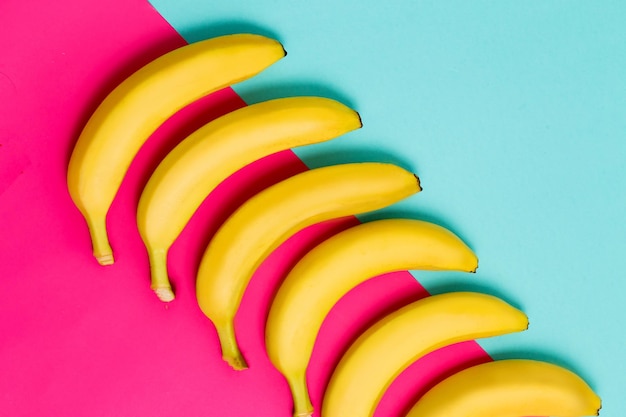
(383, 351)
(337, 265)
(511, 387)
(266, 220)
(133, 110)
(215, 151)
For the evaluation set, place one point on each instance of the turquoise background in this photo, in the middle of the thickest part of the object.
(513, 114)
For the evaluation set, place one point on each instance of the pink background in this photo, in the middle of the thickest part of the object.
(78, 339)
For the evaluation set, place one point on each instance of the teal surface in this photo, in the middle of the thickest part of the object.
(514, 116)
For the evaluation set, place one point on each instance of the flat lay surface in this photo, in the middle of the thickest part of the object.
(513, 115)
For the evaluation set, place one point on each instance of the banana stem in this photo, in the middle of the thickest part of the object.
(302, 406)
(230, 349)
(158, 273)
(100, 240)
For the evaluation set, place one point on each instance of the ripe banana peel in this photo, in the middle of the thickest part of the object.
(208, 156)
(383, 351)
(133, 110)
(337, 265)
(266, 220)
(511, 387)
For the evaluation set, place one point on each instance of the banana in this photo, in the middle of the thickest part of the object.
(511, 387)
(266, 220)
(383, 351)
(215, 151)
(133, 110)
(339, 264)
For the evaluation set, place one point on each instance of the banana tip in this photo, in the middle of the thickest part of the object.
(419, 183)
(105, 259)
(238, 364)
(304, 414)
(164, 294)
(360, 119)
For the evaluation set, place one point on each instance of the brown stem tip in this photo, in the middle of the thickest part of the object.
(419, 183)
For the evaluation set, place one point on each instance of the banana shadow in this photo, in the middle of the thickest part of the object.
(295, 87)
(202, 31)
(454, 283)
(346, 153)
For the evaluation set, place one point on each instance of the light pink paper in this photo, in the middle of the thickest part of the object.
(78, 339)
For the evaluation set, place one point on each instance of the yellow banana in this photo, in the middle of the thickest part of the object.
(208, 156)
(266, 220)
(511, 387)
(133, 110)
(383, 351)
(337, 265)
